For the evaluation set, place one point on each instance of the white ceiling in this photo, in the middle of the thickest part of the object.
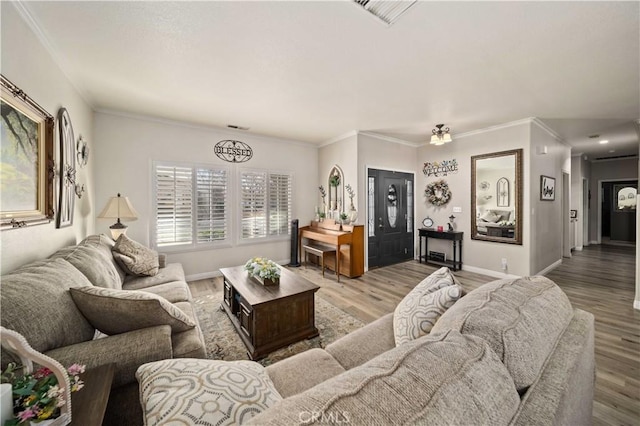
(312, 71)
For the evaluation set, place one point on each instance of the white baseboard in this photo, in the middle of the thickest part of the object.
(551, 267)
(488, 272)
(213, 274)
(636, 304)
(578, 248)
(594, 242)
(203, 276)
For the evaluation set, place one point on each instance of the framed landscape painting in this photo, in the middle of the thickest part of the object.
(547, 188)
(26, 159)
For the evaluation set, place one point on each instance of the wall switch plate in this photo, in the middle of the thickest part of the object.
(457, 209)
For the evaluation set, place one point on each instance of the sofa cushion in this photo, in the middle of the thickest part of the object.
(490, 216)
(173, 272)
(204, 392)
(416, 314)
(402, 386)
(176, 291)
(370, 341)
(521, 319)
(104, 244)
(93, 263)
(135, 258)
(119, 311)
(127, 351)
(36, 303)
(292, 375)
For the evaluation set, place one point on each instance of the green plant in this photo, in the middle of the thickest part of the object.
(322, 215)
(334, 180)
(343, 216)
(263, 268)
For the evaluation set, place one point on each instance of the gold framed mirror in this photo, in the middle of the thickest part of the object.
(496, 214)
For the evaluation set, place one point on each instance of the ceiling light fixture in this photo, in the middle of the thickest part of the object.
(440, 137)
(385, 10)
(604, 142)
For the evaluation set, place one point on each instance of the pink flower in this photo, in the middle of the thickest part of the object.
(27, 414)
(76, 369)
(42, 372)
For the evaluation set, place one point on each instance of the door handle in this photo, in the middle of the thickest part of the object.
(380, 224)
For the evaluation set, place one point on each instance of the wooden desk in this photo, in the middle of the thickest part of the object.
(269, 317)
(454, 237)
(89, 403)
(348, 241)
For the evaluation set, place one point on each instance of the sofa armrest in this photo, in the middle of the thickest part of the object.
(364, 344)
(127, 351)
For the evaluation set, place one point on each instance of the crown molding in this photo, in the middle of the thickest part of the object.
(338, 138)
(233, 133)
(492, 128)
(390, 139)
(550, 131)
(45, 40)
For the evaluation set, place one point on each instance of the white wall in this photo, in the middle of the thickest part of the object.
(127, 146)
(626, 169)
(27, 63)
(485, 255)
(546, 216)
(342, 153)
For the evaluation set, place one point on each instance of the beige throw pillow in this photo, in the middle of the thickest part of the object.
(416, 314)
(135, 258)
(204, 392)
(119, 311)
(490, 216)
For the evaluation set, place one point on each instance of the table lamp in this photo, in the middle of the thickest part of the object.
(118, 208)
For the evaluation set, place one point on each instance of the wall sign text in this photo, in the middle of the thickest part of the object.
(233, 151)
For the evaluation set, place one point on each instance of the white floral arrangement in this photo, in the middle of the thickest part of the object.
(263, 268)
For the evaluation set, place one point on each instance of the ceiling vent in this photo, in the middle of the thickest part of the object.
(618, 157)
(387, 11)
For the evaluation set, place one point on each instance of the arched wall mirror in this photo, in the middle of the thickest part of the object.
(335, 183)
(497, 213)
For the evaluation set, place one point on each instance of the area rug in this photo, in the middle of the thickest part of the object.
(222, 340)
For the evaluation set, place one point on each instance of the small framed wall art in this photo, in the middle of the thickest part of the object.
(547, 188)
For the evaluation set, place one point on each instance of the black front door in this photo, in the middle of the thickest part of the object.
(390, 225)
(620, 198)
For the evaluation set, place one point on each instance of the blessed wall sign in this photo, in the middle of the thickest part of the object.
(440, 168)
(233, 151)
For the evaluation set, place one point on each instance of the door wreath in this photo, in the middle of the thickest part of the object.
(438, 193)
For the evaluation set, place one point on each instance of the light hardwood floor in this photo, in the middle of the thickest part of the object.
(599, 279)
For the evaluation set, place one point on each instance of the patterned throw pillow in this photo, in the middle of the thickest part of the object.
(135, 258)
(204, 392)
(416, 314)
(119, 311)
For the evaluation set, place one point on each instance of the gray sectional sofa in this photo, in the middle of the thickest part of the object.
(37, 302)
(511, 352)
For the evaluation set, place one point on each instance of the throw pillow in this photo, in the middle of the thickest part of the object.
(135, 258)
(119, 311)
(490, 216)
(204, 392)
(416, 314)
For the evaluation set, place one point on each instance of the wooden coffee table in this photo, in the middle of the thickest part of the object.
(269, 317)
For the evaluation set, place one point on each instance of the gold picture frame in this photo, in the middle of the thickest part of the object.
(27, 164)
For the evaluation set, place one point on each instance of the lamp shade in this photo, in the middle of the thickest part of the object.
(119, 208)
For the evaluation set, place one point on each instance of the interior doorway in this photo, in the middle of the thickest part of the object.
(618, 211)
(390, 211)
(566, 215)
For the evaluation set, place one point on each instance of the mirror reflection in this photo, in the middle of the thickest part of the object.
(496, 197)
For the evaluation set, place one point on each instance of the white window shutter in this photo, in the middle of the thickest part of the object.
(253, 205)
(174, 199)
(211, 205)
(279, 204)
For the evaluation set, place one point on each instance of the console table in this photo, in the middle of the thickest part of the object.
(90, 403)
(454, 237)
